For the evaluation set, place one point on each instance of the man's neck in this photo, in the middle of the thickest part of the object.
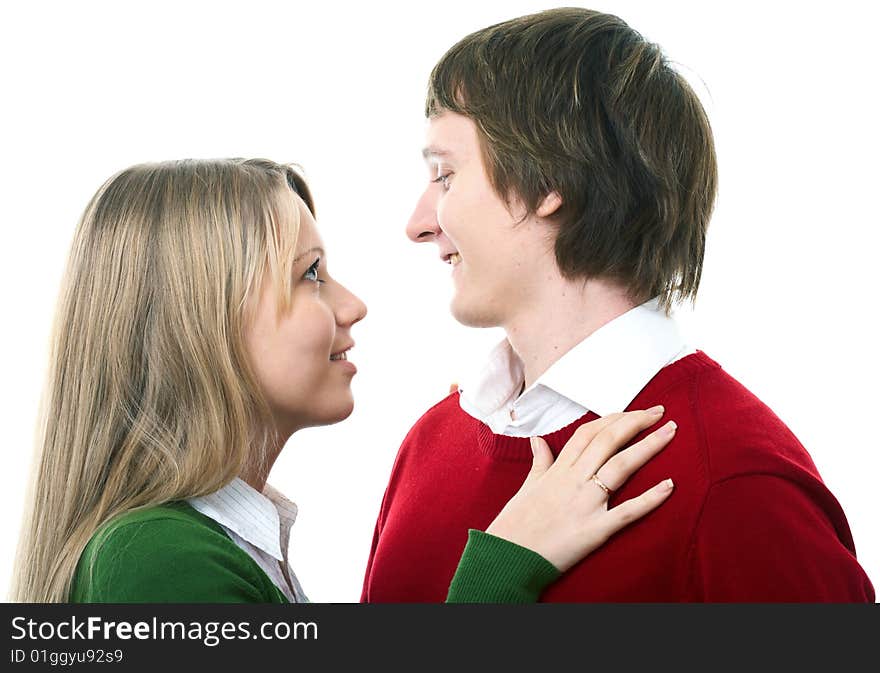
(562, 315)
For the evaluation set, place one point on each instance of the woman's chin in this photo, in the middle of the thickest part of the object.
(327, 412)
(344, 413)
(339, 412)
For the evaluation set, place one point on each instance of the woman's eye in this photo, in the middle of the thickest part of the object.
(312, 273)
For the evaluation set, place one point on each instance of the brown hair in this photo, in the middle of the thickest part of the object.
(575, 101)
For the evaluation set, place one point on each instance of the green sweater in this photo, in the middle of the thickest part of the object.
(174, 554)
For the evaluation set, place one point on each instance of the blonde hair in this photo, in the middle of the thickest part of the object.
(150, 397)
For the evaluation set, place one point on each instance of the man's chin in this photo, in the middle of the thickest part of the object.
(471, 314)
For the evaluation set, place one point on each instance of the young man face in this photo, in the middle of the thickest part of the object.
(499, 258)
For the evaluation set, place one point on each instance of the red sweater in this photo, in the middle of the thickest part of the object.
(749, 520)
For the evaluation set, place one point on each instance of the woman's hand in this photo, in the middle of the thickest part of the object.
(561, 510)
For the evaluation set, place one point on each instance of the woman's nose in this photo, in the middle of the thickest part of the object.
(351, 309)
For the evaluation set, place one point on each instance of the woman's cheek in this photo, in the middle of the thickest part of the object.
(313, 327)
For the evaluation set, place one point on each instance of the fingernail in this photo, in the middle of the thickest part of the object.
(668, 429)
(656, 411)
(668, 485)
(532, 441)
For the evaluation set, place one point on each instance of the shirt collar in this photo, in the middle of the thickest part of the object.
(602, 373)
(497, 383)
(263, 519)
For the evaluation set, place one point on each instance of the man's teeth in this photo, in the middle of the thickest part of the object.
(454, 258)
(340, 356)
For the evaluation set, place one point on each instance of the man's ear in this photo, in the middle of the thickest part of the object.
(549, 204)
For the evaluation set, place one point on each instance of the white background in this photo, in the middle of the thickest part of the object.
(788, 299)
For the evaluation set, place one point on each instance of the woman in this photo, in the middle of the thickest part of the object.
(197, 330)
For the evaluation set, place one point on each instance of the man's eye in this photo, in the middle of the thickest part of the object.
(443, 179)
(312, 273)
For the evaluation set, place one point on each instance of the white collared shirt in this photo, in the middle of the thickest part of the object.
(603, 373)
(260, 524)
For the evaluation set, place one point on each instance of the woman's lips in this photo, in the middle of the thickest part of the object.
(340, 359)
(345, 364)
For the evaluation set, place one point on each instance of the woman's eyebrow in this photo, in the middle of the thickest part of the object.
(309, 251)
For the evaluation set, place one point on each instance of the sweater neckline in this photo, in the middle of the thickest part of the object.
(518, 449)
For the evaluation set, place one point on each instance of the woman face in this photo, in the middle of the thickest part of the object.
(300, 357)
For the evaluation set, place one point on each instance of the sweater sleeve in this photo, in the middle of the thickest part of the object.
(494, 570)
(165, 561)
(763, 538)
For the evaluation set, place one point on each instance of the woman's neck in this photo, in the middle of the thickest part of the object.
(256, 475)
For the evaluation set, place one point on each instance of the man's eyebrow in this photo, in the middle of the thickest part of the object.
(310, 250)
(434, 151)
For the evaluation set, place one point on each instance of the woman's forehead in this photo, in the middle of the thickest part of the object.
(309, 235)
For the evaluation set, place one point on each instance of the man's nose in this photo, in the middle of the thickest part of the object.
(422, 226)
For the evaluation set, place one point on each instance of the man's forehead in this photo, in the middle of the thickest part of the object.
(448, 136)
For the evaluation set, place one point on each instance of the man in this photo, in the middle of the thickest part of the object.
(572, 180)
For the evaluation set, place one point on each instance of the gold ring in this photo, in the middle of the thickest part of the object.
(595, 479)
